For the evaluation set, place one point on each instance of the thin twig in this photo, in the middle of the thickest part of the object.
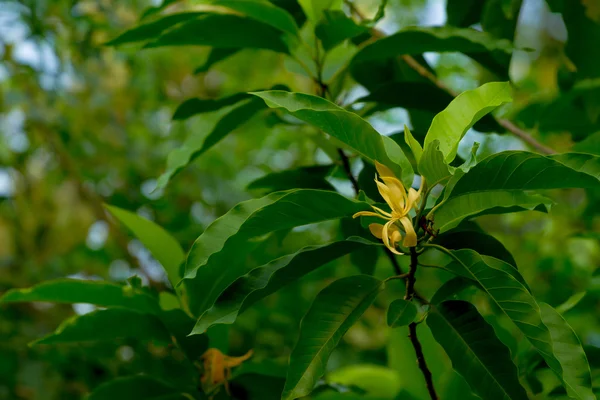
(412, 327)
(430, 76)
(348, 170)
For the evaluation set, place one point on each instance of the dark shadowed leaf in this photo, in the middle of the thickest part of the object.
(262, 11)
(152, 30)
(476, 353)
(333, 312)
(108, 325)
(103, 294)
(507, 291)
(229, 239)
(300, 178)
(335, 27)
(464, 13)
(196, 145)
(479, 241)
(223, 31)
(136, 387)
(401, 313)
(489, 51)
(264, 280)
(197, 106)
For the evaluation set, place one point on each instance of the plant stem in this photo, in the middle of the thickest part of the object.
(348, 170)
(412, 328)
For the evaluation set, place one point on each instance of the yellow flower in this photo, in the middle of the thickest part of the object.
(217, 370)
(393, 192)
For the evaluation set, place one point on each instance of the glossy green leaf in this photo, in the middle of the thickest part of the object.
(230, 237)
(476, 353)
(589, 145)
(195, 145)
(489, 51)
(513, 298)
(432, 165)
(333, 312)
(152, 30)
(414, 145)
(264, 280)
(159, 242)
(335, 27)
(223, 31)
(300, 178)
(135, 387)
(314, 9)
(262, 11)
(569, 351)
(500, 181)
(108, 325)
(401, 313)
(196, 106)
(450, 289)
(450, 125)
(103, 294)
(457, 209)
(345, 126)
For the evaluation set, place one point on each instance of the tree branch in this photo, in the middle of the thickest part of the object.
(412, 327)
(425, 73)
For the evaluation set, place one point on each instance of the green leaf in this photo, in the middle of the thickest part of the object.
(481, 242)
(432, 165)
(313, 9)
(457, 209)
(568, 350)
(152, 30)
(103, 294)
(216, 55)
(196, 145)
(262, 11)
(508, 292)
(464, 13)
(159, 242)
(108, 325)
(345, 126)
(409, 95)
(450, 125)
(476, 353)
(264, 280)
(312, 177)
(229, 238)
(489, 51)
(415, 146)
(589, 145)
(571, 302)
(223, 31)
(335, 27)
(401, 313)
(333, 312)
(499, 182)
(196, 106)
(450, 289)
(135, 387)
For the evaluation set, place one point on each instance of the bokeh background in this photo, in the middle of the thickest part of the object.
(82, 124)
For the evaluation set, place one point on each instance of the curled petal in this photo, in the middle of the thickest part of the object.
(379, 210)
(413, 199)
(385, 193)
(410, 239)
(395, 235)
(376, 230)
(383, 171)
(367, 214)
(385, 236)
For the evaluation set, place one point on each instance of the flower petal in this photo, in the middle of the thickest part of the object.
(376, 230)
(386, 238)
(410, 239)
(367, 214)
